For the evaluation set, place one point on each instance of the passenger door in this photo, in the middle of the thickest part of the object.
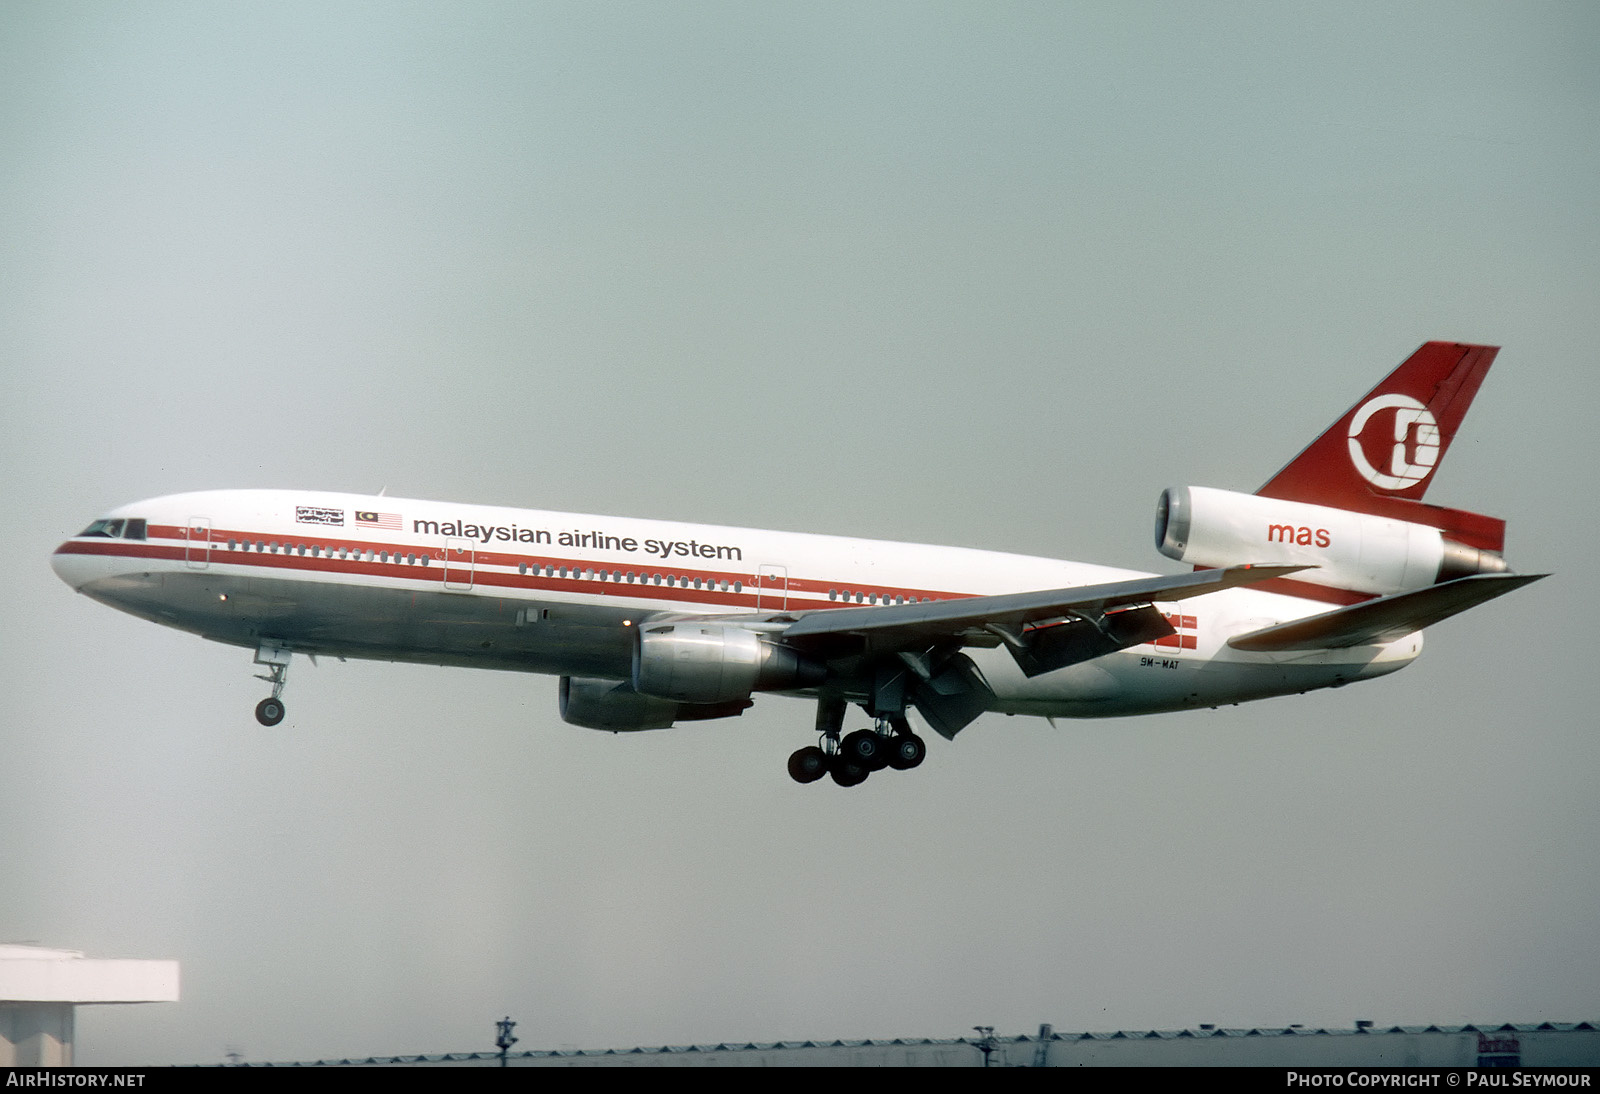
(772, 588)
(458, 563)
(197, 546)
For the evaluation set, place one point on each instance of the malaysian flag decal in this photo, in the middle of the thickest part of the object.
(365, 518)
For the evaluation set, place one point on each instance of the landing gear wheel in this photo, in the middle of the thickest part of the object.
(866, 748)
(845, 771)
(906, 751)
(269, 712)
(808, 764)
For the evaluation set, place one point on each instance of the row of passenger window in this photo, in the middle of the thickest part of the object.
(631, 577)
(876, 598)
(135, 529)
(316, 550)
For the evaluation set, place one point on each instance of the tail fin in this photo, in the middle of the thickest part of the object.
(1380, 455)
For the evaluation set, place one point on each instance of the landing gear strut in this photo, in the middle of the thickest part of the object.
(269, 712)
(890, 743)
(809, 764)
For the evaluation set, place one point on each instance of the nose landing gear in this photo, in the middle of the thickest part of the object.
(269, 712)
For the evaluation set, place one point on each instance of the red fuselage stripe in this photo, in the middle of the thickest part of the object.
(219, 539)
(287, 557)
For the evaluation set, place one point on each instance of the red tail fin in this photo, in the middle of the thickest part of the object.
(1379, 457)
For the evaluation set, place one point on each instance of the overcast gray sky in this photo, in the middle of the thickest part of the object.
(989, 275)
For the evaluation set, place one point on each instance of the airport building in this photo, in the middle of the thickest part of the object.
(1546, 1044)
(41, 990)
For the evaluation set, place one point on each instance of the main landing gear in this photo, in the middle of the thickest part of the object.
(890, 743)
(269, 712)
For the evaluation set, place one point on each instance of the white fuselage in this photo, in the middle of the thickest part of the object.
(439, 582)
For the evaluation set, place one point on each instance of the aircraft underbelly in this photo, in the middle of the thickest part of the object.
(388, 624)
(1133, 682)
(471, 629)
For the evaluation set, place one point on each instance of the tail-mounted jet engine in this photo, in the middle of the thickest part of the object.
(716, 663)
(1349, 550)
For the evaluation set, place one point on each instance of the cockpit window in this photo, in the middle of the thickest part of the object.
(130, 528)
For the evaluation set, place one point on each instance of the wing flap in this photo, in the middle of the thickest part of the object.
(1383, 619)
(952, 697)
(1052, 646)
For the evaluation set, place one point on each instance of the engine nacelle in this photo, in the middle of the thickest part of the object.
(1357, 551)
(613, 705)
(715, 663)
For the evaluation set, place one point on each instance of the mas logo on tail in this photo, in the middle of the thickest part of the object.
(1412, 445)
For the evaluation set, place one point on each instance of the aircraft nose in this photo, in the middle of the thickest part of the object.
(75, 570)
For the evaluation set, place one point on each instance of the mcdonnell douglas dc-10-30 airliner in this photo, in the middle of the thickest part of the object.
(1324, 576)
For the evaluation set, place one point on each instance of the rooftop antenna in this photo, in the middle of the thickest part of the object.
(1041, 1056)
(985, 1043)
(502, 1037)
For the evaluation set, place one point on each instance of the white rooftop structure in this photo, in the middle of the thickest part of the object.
(39, 987)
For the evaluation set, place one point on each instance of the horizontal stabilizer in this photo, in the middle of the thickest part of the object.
(1384, 619)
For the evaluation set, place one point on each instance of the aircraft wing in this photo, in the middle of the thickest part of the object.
(912, 624)
(1383, 619)
(916, 648)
